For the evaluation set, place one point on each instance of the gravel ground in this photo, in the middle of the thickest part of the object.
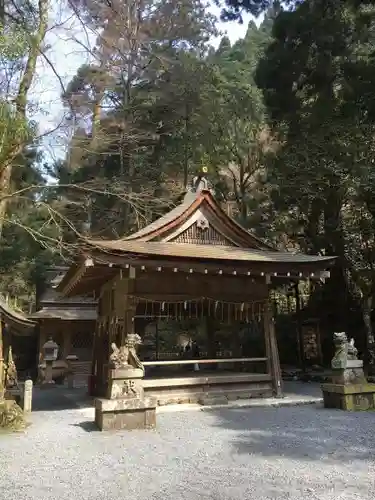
(222, 454)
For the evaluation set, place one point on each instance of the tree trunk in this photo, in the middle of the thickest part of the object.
(20, 106)
(370, 341)
(186, 146)
(5, 176)
(21, 103)
(2, 364)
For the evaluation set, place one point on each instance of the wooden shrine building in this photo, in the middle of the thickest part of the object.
(70, 321)
(195, 286)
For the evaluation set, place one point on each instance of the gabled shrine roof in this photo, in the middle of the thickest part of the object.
(197, 235)
(146, 232)
(203, 202)
(198, 205)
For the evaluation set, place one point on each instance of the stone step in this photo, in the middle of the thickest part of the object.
(212, 400)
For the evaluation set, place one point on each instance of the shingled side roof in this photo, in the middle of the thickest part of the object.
(195, 251)
(16, 319)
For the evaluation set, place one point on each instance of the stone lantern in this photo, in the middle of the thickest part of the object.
(50, 352)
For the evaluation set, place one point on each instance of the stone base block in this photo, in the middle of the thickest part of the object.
(125, 383)
(129, 414)
(349, 376)
(352, 397)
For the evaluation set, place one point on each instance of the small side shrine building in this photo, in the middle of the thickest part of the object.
(69, 321)
(195, 286)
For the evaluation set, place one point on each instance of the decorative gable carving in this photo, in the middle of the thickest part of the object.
(202, 233)
(202, 223)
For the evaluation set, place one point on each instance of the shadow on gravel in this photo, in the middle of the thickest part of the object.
(301, 433)
(58, 398)
(88, 426)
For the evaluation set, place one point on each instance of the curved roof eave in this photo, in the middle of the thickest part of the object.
(15, 317)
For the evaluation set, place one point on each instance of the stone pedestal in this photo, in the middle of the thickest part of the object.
(125, 406)
(350, 397)
(48, 380)
(70, 372)
(129, 414)
(348, 388)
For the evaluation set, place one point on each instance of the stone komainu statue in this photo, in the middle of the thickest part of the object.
(126, 356)
(344, 350)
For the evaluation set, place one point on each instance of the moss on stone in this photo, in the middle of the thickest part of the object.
(11, 416)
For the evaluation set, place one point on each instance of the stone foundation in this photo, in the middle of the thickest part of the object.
(195, 388)
(128, 414)
(353, 397)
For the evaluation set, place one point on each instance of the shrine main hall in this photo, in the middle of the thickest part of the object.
(195, 286)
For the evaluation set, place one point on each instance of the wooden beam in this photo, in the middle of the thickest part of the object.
(219, 297)
(255, 268)
(201, 379)
(203, 361)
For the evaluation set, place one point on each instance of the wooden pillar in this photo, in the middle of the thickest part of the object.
(301, 350)
(272, 351)
(157, 346)
(131, 305)
(266, 322)
(210, 337)
(102, 356)
(129, 322)
(93, 383)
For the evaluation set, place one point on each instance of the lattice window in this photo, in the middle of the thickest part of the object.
(82, 345)
(82, 340)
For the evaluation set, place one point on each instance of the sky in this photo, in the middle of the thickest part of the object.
(67, 44)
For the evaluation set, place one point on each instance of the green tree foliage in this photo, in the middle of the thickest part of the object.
(176, 107)
(25, 222)
(232, 10)
(236, 136)
(125, 107)
(318, 87)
